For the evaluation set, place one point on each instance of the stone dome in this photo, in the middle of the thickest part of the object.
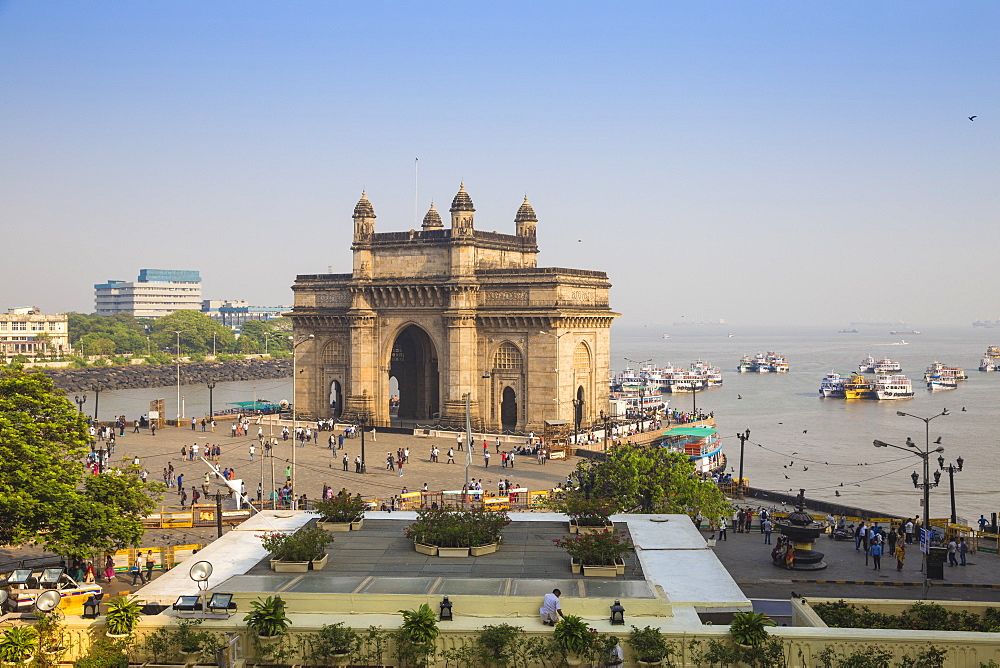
(432, 219)
(364, 208)
(525, 213)
(462, 201)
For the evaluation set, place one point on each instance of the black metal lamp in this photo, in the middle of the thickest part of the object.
(960, 462)
(916, 480)
(941, 461)
(937, 478)
(617, 614)
(445, 614)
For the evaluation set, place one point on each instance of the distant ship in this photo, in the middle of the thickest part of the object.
(986, 323)
(687, 323)
(873, 323)
(847, 331)
(900, 332)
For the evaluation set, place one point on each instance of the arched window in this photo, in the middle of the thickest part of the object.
(581, 358)
(334, 353)
(507, 357)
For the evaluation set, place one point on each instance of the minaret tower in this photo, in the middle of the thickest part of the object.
(525, 220)
(432, 219)
(462, 212)
(364, 231)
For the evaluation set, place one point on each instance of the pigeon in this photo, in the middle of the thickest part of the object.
(795, 453)
(781, 423)
(836, 492)
(805, 468)
(791, 463)
(841, 484)
(805, 431)
(787, 478)
(963, 409)
(972, 118)
(739, 396)
(938, 441)
(712, 537)
(794, 595)
(784, 466)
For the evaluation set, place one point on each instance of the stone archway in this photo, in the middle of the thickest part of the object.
(413, 363)
(336, 399)
(508, 409)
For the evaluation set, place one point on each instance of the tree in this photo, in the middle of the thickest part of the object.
(254, 332)
(647, 479)
(46, 496)
(197, 335)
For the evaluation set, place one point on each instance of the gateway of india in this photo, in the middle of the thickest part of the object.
(450, 314)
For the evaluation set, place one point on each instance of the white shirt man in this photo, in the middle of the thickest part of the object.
(551, 609)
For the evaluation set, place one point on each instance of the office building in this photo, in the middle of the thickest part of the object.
(27, 331)
(158, 292)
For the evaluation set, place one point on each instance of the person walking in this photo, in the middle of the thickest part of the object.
(722, 528)
(486, 458)
(908, 527)
(357, 464)
(252, 451)
(952, 552)
(900, 555)
(876, 550)
(150, 565)
(963, 550)
(766, 525)
(451, 455)
(346, 461)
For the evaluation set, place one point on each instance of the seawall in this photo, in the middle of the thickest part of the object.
(163, 375)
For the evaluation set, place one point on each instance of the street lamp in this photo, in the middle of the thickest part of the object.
(744, 437)
(577, 415)
(80, 401)
(557, 337)
(97, 398)
(363, 421)
(211, 408)
(638, 401)
(911, 447)
(606, 419)
(952, 469)
(178, 333)
(295, 406)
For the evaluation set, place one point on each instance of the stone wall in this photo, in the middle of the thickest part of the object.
(164, 375)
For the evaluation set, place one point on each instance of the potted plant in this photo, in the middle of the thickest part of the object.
(597, 552)
(267, 620)
(18, 644)
(372, 646)
(51, 634)
(748, 629)
(158, 645)
(105, 653)
(123, 616)
(415, 639)
(586, 515)
(341, 513)
(190, 641)
(650, 646)
(334, 644)
(452, 532)
(572, 636)
(297, 552)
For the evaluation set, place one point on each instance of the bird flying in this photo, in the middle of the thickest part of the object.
(972, 118)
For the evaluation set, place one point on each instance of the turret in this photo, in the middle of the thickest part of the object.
(462, 213)
(432, 219)
(364, 219)
(525, 220)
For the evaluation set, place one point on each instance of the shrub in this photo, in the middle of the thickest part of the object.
(749, 628)
(448, 527)
(268, 619)
(306, 544)
(599, 548)
(649, 644)
(344, 508)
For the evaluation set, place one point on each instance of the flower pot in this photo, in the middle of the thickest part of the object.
(453, 552)
(340, 658)
(281, 566)
(600, 571)
(620, 566)
(356, 525)
(600, 529)
(478, 551)
(117, 635)
(334, 526)
(191, 657)
(575, 565)
(572, 526)
(650, 663)
(432, 550)
(573, 660)
(319, 564)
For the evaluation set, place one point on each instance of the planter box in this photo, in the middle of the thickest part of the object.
(572, 526)
(600, 571)
(279, 566)
(620, 566)
(319, 564)
(600, 529)
(453, 552)
(484, 549)
(432, 550)
(575, 565)
(334, 526)
(356, 525)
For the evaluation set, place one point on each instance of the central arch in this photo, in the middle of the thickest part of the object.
(413, 362)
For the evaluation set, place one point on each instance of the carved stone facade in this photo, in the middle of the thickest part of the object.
(449, 313)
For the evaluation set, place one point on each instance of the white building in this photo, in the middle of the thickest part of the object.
(158, 292)
(234, 312)
(26, 331)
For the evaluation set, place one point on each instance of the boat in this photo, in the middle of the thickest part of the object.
(711, 374)
(867, 365)
(896, 386)
(769, 362)
(859, 387)
(939, 369)
(702, 445)
(731, 335)
(991, 360)
(902, 332)
(847, 331)
(941, 383)
(901, 342)
(666, 336)
(832, 385)
(745, 364)
(989, 324)
(882, 366)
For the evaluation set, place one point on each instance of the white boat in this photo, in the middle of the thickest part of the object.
(745, 364)
(896, 386)
(987, 364)
(731, 335)
(901, 342)
(832, 385)
(867, 365)
(886, 366)
(941, 383)
(940, 369)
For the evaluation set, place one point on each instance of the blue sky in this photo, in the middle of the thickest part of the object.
(780, 162)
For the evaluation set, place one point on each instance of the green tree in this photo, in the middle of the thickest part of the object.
(253, 334)
(197, 335)
(46, 496)
(647, 479)
(126, 331)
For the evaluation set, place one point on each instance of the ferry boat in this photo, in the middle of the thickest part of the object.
(991, 360)
(882, 366)
(847, 331)
(859, 387)
(745, 364)
(832, 386)
(939, 369)
(896, 386)
(867, 365)
(941, 383)
(711, 374)
(769, 362)
(702, 445)
(903, 332)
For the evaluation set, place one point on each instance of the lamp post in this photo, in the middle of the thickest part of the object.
(97, 398)
(557, 337)
(80, 401)
(606, 419)
(638, 366)
(927, 484)
(295, 406)
(363, 422)
(952, 469)
(577, 405)
(178, 332)
(744, 437)
(211, 407)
